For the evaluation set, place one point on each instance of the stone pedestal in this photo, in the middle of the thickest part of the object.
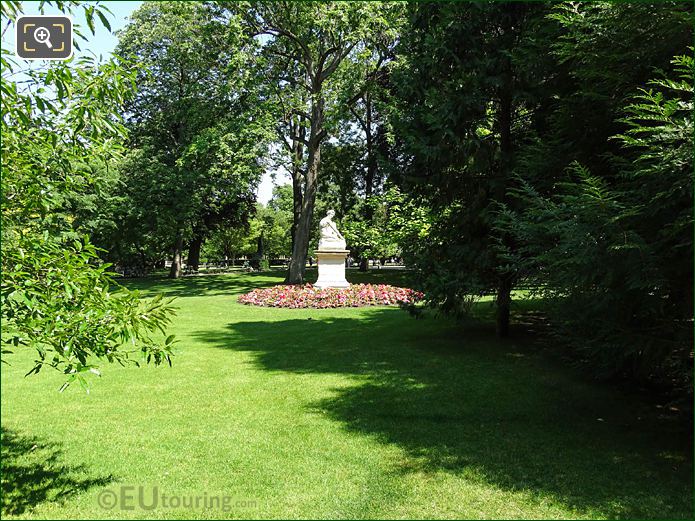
(331, 268)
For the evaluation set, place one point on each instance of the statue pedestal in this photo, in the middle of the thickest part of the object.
(331, 269)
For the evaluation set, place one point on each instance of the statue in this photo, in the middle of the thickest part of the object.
(331, 238)
(331, 255)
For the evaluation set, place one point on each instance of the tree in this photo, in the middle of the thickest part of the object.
(461, 84)
(314, 40)
(587, 207)
(278, 218)
(613, 255)
(61, 132)
(272, 223)
(369, 108)
(374, 238)
(198, 129)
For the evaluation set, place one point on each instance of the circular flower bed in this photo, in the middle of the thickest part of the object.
(310, 297)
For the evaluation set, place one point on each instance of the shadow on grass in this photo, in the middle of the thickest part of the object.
(203, 285)
(32, 474)
(460, 401)
(243, 282)
(395, 277)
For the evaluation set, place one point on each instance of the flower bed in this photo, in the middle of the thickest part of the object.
(307, 296)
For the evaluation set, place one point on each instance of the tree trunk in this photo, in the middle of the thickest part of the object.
(504, 121)
(260, 249)
(297, 155)
(371, 153)
(297, 178)
(296, 205)
(194, 253)
(505, 285)
(175, 271)
(303, 231)
(371, 169)
(504, 301)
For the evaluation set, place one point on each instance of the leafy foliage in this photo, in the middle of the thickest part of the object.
(460, 83)
(324, 48)
(489, 145)
(615, 255)
(546, 154)
(198, 132)
(61, 131)
(57, 301)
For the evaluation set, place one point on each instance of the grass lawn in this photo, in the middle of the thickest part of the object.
(356, 413)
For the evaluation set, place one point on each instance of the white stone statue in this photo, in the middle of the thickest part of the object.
(331, 255)
(331, 238)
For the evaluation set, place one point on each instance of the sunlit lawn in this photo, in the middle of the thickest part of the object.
(357, 413)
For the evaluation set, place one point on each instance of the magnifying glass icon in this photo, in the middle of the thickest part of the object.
(42, 35)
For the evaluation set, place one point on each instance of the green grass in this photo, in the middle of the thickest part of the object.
(356, 413)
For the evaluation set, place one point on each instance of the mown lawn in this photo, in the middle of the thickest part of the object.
(355, 413)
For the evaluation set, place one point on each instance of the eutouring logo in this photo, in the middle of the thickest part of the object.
(132, 497)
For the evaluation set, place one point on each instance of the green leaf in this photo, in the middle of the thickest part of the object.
(89, 17)
(104, 20)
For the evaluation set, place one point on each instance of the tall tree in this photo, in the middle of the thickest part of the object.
(602, 218)
(368, 108)
(316, 38)
(196, 119)
(461, 82)
(284, 85)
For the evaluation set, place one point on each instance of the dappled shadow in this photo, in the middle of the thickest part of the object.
(242, 282)
(32, 474)
(203, 285)
(459, 401)
(402, 278)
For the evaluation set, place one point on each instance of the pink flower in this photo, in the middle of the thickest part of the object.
(307, 296)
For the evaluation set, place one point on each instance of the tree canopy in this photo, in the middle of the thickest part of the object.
(198, 130)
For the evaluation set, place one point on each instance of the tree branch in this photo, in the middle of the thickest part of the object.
(296, 137)
(336, 61)
(301, 113)
(324, 57)
(284, 139)
(359, 119)
(276, 30)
